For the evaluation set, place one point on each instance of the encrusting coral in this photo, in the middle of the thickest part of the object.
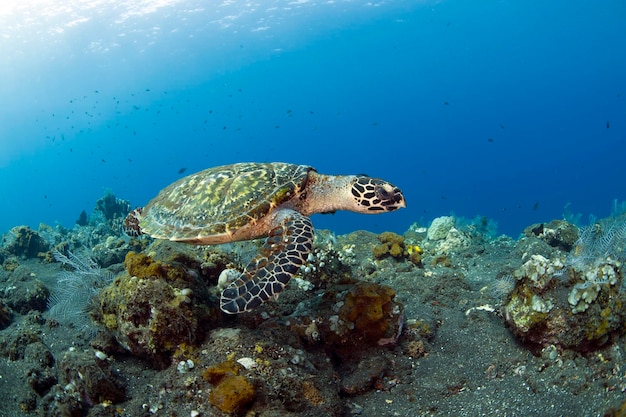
(361, 316)
(394, 245)
(154, 307)
(576, 302)
(231, 391)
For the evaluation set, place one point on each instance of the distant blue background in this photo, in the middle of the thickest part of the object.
(507, 109)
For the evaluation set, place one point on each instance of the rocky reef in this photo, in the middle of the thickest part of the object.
(156, 307)
(95, 323)
(571, 300)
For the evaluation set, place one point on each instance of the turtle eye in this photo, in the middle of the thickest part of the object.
(382, 193)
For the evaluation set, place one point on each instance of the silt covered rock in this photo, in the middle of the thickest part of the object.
(154, 308)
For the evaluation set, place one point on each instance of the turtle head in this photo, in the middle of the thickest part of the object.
(373, 195)
(131, 223)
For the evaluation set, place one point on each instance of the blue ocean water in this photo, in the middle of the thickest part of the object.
(507, 109)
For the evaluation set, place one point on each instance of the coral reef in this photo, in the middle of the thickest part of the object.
(558, 233)
(353, 333)
(24, 242)
(111, 207)
(440, 227)
(575, 302)
(154, 307)
(352, 318)
(231, 391)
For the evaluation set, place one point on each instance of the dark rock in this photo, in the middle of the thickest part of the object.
(13, 344)
(39, 362)
(92, 378)
(63, 402)
(112, 207)
(362, 377)
(558, 234)
(24, 242)
(5, 316)
(37, 353)
(26, 294)
(82, 219)
(41, 380)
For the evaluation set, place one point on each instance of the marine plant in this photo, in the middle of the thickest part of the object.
(71, 298)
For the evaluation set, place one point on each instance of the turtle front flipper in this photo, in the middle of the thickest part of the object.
(284, 252)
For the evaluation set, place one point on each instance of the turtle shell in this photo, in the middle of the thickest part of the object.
(217, 201)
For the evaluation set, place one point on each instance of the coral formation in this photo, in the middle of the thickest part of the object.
(394, 245)
(231, 391)
(111, 207)
(24, 242)
(362, 316)
(558, 233)
(576, 302)
(439, 228)
(154, 307)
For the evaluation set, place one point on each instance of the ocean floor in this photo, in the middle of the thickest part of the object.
(442, 321)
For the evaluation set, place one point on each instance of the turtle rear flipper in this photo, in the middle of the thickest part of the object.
(284, 252)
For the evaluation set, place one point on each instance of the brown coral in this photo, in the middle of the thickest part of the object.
(363, 316)
(391, 244)
(232, 392)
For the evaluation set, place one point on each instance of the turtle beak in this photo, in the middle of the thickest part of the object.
(390, 197)
(397, 201)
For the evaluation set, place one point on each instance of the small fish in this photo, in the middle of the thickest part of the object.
(490, 140)
(182, 170)
(608, 124)
(536, 206)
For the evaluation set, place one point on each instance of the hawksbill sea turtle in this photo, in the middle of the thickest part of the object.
(251, 200)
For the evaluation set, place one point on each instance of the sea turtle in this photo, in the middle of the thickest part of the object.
(251, 200)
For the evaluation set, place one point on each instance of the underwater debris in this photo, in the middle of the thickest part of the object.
(72, 296)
